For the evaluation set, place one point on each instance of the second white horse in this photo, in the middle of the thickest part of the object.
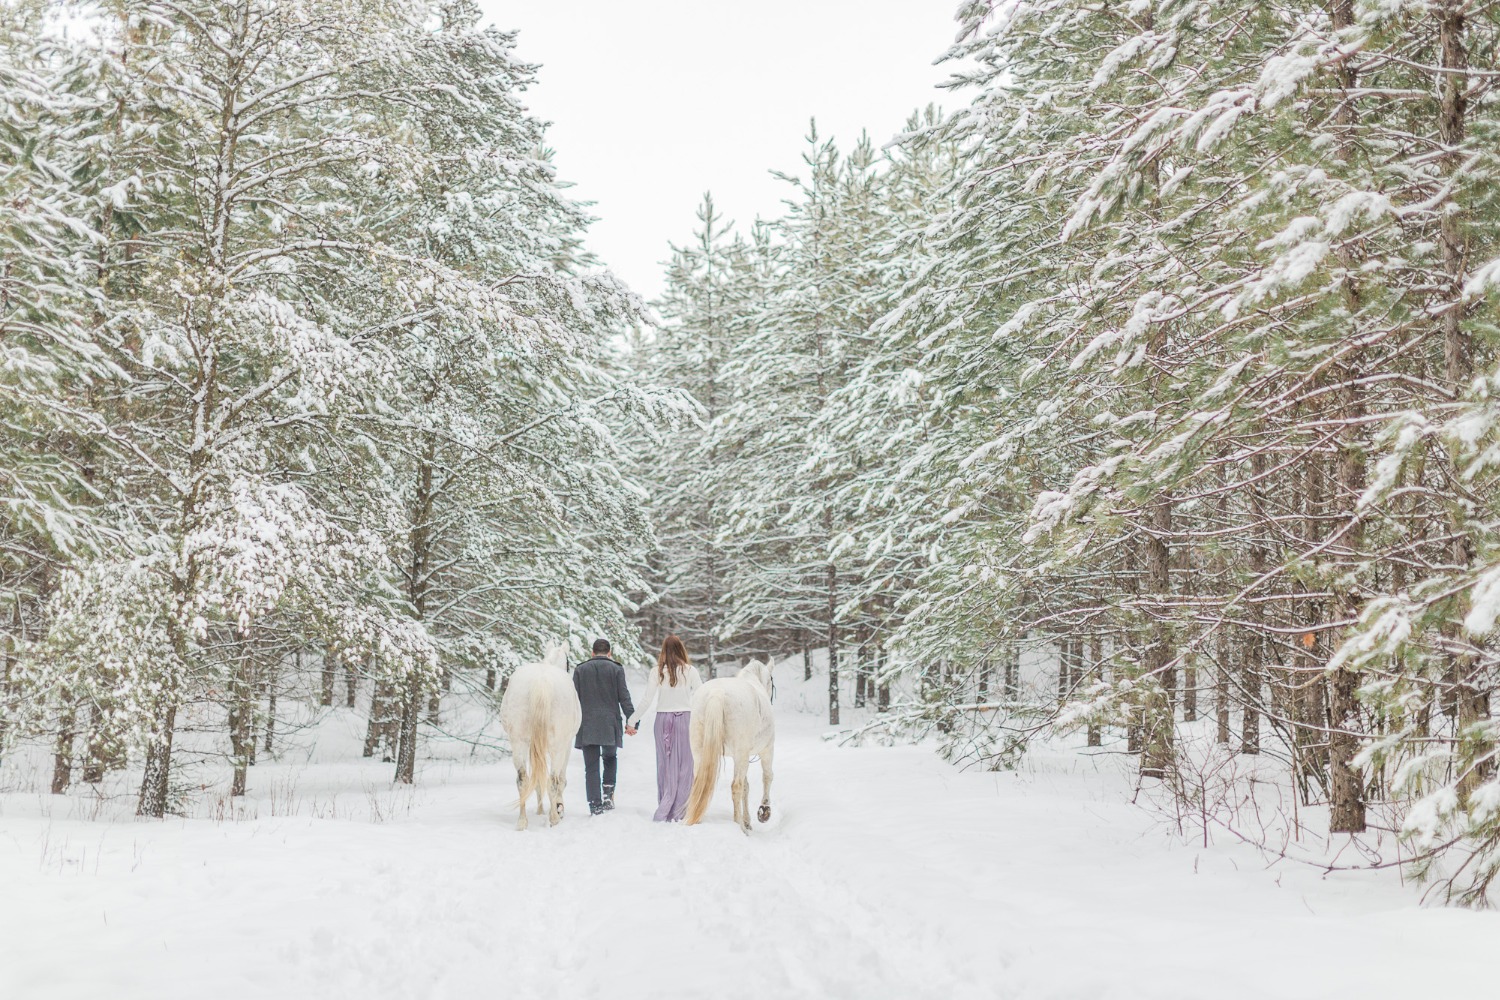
(732, 715)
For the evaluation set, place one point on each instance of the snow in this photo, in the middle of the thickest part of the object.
(883, 872)
(1485, 601)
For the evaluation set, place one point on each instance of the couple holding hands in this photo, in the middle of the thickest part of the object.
(605, 699)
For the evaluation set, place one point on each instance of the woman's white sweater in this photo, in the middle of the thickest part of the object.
(668, 697)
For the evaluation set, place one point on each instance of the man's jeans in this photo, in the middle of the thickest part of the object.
(591, 755)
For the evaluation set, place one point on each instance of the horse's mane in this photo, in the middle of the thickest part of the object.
(555, 655)
(758, 671)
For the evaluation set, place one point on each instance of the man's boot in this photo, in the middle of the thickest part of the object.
(609, 797)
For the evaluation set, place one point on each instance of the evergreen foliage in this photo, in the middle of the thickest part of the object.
(1173, 353)
(302, 356)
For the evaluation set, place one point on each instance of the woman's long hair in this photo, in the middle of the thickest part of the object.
(673, 659)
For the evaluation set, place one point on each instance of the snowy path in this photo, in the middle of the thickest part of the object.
(1035, 887)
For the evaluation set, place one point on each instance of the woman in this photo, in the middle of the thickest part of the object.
(671, 687)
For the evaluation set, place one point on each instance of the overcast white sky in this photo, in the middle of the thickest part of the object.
(654, 102)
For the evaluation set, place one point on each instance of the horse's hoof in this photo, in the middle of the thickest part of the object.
(521, 825)
(763, 813)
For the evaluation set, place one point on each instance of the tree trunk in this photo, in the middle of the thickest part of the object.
(1252, 668)
(1157, 717)
(241, 711)
(1346, 789)
(833, 647)
(155, 791)
(1250, 683)
(1476, 751)
(1064, 669)
(378, 728)
(351, 683)
(408, 698)
(865, 673)
(330, 675)
(156, 781)
(1452, 127)
(1096, 735)
(95, 749)
(1221, 685)
(12, 640)
(1309, 711)
(62, 758)
(711, 599)
(241, 762)
(273, 681)
(1472, 700)
(406, 753)
(806, 661)
(883, 686)
(1190, 690)
(1346, 786)
(255, 685)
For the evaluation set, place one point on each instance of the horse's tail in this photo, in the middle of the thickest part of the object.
(707, 757)
(539, 711)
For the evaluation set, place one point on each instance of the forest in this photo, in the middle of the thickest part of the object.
(1170, 354)
(1166, 356)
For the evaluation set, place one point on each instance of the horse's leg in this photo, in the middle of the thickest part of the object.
(764, 813)
(521, 788)
(557, 782)
(541, 783)
(546, 783)
(740, 788)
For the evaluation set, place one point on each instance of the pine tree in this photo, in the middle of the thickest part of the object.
(687, 469)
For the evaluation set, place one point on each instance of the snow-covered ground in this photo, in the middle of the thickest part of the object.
(884, 872)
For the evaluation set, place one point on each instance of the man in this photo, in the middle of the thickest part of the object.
(606, 703)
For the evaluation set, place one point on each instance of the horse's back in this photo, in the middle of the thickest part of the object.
(742, 709)
(513, 703)
(540, 690)
(725, 693)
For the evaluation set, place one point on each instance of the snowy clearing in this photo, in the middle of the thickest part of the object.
(883, 872)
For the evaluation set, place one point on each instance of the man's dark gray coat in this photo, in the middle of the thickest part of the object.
(605, 701)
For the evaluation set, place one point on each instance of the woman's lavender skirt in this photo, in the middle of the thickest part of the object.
(674, 765)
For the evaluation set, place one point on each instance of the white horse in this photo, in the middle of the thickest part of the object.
(541, 715)
(732, 715)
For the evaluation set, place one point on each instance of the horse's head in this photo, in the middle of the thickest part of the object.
(555, 654)
(758, 672)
